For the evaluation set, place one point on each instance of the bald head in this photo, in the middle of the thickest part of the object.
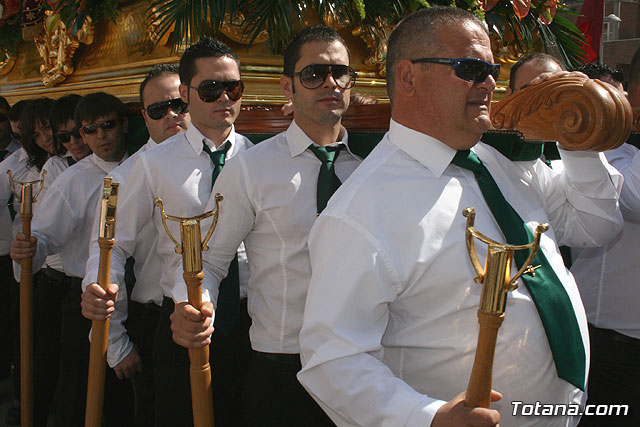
(416, 36)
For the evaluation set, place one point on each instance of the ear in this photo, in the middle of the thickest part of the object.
(405, 78)
(125, 125)
(184, 92)
(509, 92)
(286, 84)
(83, 136)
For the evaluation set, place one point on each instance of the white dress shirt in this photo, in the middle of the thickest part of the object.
(54, 166)
(147, 269)
(270, 203)
(65, 225)
(178, 171)
(390, 325)
(608, 275)
(17, 164)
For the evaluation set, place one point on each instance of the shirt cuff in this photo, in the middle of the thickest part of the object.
(423, 414)
(118, 349)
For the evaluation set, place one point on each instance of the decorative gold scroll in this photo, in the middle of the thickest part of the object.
(580, 113)
(7, 62)
(57, 47)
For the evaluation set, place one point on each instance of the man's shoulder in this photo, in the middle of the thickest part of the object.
(270, 146)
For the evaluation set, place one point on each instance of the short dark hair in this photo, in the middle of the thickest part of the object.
(98, 104)
(63, 110)
(598, 71)
(634, 71)
(416, 35)
(4, 103)
(206, 47)
(156, 71)
(319, 33)
(35, 111)
(532, 57)
(16, 110)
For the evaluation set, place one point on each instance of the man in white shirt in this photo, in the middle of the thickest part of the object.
(608, 280)
(390, 325)
(165, 115)
(272, 195)
(63, 224)
(181, 172)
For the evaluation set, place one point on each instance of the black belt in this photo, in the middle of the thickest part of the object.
(614, 336)
(286, 358)
(56, 274)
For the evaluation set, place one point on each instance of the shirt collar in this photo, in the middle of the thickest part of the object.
(107, 167)
(13, 146)
(430, 152)
(195, 138)
(298, 141)
(151, 143)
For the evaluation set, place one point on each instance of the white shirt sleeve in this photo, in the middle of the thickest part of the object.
(626, 159)
(346, 315)
(582, 201)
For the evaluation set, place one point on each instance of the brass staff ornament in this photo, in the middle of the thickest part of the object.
(496, 283)
(26, 198)
(100, 328)
(191, 250)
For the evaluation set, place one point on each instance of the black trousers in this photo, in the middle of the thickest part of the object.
(71, 393)
(229, 357)
(614, 377)
(141, 327)
(275, 398)
(8, 328)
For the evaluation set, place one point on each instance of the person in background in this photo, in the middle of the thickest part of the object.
(130, 350)
(607, 277)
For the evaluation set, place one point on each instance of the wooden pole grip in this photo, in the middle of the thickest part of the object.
(479, 388)
(26, 330)
(200, 371)
(99, 343)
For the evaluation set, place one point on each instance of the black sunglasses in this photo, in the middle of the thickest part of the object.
(105, 125)
(469, 69)
(62, 137)
(158, 110)
(313, 76)
(210, 90)
(3, 117)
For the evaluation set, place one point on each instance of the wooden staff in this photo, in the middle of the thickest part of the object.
(27, 199)
(100, 328)
(496, 283)
(191, 250)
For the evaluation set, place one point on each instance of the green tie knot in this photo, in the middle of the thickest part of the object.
(328, 181)
(217, 157)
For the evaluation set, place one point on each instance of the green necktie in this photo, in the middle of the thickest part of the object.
(217, 157)
(328, 181)
(228, 310)
(71, 161)
(550, 297)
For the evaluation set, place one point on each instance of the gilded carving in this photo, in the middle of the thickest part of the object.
(56, 47)
(235, 30)
(376, 39)
(578, 112)
(7, 62)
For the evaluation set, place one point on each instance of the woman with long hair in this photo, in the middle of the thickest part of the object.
(36, 133)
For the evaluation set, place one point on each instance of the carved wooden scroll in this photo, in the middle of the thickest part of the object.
(579, 113)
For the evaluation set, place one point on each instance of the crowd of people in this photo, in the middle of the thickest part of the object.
(337, 290)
